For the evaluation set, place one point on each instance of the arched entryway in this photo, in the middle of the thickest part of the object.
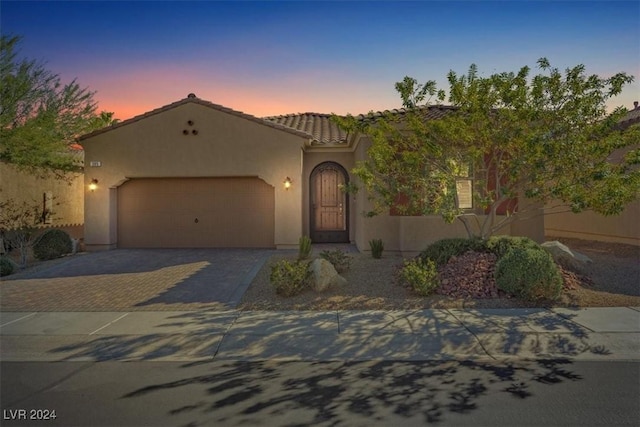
(328, 204)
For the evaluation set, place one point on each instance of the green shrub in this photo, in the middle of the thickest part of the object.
(529, 273)
(52, 244)
(421, 277)
(289, 278)
(500, 245)
(338, 258)
(377, 246)
(442, 250)
(6, 266)
(304, 248)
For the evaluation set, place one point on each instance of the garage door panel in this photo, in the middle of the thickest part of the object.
(196, 212)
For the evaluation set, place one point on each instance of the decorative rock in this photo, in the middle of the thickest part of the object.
(470, 275)
(565, 256)
(324, 275)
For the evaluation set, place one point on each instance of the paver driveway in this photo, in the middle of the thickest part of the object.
(136, 279)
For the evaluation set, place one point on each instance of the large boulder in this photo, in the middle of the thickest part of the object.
(324, 275)
(565, 256)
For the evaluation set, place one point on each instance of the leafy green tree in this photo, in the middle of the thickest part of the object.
(547, 138)
(40, 116)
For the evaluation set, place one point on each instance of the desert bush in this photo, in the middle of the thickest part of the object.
(19, 225)
(377, 246)
(289, 278)
(6, 266)
(500, 245)
(442, 250)
(420, 276)
(304, 248)
(338, 258)
(52, 244)
(528, 273)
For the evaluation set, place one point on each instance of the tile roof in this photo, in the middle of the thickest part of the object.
(632, 116)
(430, 112)
(320, 128)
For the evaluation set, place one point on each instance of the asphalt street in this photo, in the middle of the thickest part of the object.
(324, 393)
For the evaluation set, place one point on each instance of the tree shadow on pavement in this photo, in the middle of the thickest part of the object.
(351, 393)
(317, 336)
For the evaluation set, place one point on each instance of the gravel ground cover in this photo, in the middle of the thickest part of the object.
(613, 279)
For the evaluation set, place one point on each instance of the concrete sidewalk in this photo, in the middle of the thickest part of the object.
(611, 333)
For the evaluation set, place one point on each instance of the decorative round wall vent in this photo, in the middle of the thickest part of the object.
(185, 132)
(190, 122)
(195, 131)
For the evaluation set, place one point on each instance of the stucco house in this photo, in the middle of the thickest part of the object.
(197, 174)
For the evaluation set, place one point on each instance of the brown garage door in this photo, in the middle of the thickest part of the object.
(195, 213)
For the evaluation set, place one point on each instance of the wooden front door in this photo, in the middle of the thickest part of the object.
(329, 210)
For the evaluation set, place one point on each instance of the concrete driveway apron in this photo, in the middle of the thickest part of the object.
(136, 279)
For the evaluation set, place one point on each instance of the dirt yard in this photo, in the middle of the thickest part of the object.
(612, 279)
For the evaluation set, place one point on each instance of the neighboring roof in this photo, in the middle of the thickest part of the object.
(191, 98)
(430, 112)
(632, 116)
(318, 126)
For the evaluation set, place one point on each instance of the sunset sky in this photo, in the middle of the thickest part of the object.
(271, 58)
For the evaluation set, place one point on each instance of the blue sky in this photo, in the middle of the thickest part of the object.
(270, 58)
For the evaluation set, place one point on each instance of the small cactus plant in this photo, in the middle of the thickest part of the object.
(377, 246)
(304, 248)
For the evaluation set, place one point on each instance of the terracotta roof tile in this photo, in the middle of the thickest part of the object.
(318, 126)
(323, 131)
(430, 112)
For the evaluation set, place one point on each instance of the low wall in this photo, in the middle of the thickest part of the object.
(623, 228)
(410, 234)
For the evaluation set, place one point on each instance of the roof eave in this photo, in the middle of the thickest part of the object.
(198, 101)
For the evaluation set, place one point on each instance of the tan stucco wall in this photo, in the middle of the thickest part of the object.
(68, 203)
(226, 145)
(623, 228)
(313, 159)
(530, 223)
(409, 234)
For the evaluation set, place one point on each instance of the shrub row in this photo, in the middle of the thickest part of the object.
(51, 244)
(524, 269)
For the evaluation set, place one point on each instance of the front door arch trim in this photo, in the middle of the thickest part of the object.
(328, 204)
